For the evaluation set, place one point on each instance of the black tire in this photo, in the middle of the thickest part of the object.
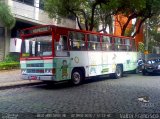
(144, 72)
(118, 73)
(77, 77)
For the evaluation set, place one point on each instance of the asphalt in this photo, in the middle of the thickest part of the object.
(12, 78)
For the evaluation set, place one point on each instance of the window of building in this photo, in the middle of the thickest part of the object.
(41, 4)
(77, 41)
(94, 42)
(28, 2)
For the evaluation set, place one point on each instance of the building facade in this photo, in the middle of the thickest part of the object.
(28, 13)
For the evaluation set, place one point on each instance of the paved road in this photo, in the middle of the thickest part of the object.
(10, 76)
(104, 96)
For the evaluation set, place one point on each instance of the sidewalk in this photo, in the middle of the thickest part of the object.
(12, 78)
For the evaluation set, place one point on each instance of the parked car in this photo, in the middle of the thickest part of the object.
(151, 66)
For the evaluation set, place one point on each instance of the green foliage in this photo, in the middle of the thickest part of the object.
(6, 16)
(95, 12)
(11, 58)
(157, 37)
(10, 62)
(141, 10)
(153, 26)
(151, 45)
(87, 12)
(153, 35)
(9, 65)
(141, 47)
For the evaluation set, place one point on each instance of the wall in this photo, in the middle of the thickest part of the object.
(35, 15)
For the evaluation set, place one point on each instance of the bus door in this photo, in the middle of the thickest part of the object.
(62, 58)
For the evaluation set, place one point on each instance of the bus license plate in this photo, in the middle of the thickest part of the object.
(33, 77)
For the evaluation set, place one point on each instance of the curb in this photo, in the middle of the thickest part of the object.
(18, 84)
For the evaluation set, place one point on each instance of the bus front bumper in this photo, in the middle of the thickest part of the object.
(38, 77)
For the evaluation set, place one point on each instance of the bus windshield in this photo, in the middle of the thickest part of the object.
(37, 46)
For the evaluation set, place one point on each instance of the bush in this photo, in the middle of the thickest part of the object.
(11, 61)
(141, 47)
(11, 58)
(9, 65)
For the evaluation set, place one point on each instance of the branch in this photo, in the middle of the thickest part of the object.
(126, 24)
(103, 29)
(139, 27)
(120, 23)
(92, 16)
(71, 11)
(85, 17)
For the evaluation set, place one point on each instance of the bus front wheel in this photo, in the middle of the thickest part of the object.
(118, 73)
(76, 77)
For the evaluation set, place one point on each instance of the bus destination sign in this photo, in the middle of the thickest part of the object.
(36, 30)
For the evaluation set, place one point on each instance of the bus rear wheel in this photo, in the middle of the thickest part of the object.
(76, 77)
(118, 73)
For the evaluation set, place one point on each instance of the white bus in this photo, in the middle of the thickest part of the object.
(51, 53)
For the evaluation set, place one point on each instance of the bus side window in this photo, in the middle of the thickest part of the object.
(106, 43)
(118, 44)
(81, 39)
(133, 45)
(77, 41)
(94, 42)
(62, 44)
(127, 44)
(112, 43)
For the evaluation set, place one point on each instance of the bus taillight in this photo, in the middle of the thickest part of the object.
(50, 71)
(53, 71)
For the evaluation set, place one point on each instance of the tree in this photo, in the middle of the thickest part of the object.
(6, 17)
(87, 12)
(96, 12)
(141, 47)
(139, 10)
(153, 33)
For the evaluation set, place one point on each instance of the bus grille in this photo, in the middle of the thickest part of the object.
(35, 65)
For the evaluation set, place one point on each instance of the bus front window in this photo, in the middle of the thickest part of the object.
(39, 46)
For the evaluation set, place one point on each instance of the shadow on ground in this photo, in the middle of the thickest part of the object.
(66, 84)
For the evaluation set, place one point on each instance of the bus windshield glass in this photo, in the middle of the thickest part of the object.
(37, 46)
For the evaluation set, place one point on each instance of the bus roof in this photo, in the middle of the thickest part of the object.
(41, 29)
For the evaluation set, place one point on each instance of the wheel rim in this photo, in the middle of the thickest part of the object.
(76, 78)
(118, 71)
